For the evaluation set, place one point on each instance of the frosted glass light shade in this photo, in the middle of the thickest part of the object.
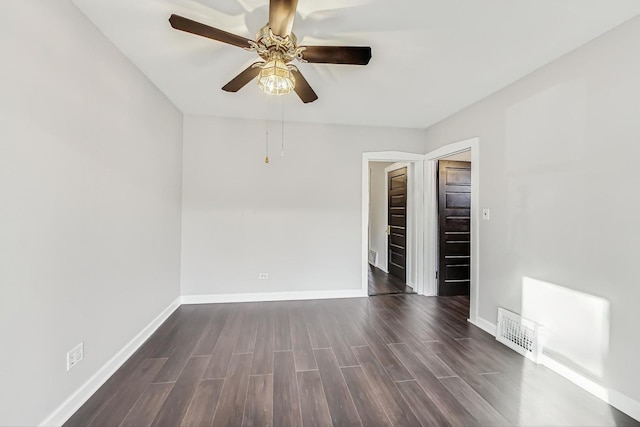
(275, 78)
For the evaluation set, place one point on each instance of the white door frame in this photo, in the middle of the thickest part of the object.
(431, 219)
(417, 196)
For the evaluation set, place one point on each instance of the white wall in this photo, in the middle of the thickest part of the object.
(90, 164)
(296, 218)
(559, 153)
(378, 211)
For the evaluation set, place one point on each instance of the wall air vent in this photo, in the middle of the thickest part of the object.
(373, 257)
(520, 335)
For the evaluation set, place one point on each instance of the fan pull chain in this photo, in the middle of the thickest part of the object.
(282, 130)
(266, 158)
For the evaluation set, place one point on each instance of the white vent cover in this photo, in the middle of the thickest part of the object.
(519, 334)
(373, 257)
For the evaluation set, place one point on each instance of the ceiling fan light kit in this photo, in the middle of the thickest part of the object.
(277, 46)
(275, 78)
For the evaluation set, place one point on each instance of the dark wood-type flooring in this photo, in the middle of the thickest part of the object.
(381, 283)
(401, 360)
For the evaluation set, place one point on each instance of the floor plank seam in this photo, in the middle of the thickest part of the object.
(344, 381)
(215, 411)
(244, 404)
(298, 389)
(134, 405)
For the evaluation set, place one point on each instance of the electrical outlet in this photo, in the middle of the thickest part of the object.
(263, 276)
(75, 355)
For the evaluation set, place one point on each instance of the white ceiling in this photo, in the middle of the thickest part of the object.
(431, 58)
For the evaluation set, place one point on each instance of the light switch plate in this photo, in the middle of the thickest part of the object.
(485, 214)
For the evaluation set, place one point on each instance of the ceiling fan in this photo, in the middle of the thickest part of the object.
(277, 46)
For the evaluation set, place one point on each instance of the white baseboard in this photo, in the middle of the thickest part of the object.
(485, 325)
(625, 404)
(61, 414)
(612, 397)
(272, 296)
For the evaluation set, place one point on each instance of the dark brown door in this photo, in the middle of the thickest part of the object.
(397, 215)
(454, 223)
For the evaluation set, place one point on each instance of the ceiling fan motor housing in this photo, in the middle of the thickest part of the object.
(270, 46)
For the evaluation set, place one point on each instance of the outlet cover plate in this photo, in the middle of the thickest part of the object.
(75, 355)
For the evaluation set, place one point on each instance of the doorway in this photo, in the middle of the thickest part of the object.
(423, 253)
(392, 231)
(463, 150)
(390, 227)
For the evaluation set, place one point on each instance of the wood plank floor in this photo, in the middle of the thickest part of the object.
(381, 283)
(400, 360)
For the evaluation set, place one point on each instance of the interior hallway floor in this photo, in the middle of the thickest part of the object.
(381, 283)
(401, 360)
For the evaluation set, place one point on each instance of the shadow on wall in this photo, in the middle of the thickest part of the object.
(576, 324)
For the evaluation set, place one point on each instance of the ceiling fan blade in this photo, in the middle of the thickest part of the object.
(242, 79)
(281, 14)
(354, 55)
(302, 88)
(184, 24)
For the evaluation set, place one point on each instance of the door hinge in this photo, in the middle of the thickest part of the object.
(436, 274)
